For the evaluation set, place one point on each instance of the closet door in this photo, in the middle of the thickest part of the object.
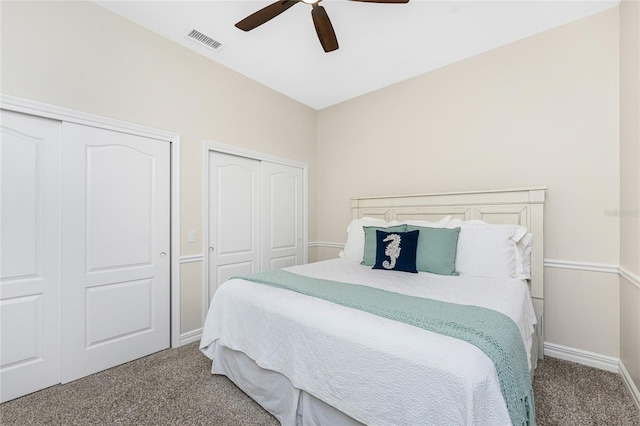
(29, 254)
(115, 248)
(234, 217)
(282, 216)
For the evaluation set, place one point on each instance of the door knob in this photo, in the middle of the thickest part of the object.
(210, 249)
(163, 254)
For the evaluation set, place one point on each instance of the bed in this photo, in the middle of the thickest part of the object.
(309, 360)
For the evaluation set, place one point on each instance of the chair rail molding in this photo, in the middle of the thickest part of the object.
(630, 276)
(581, 266)
(192, 258)
(327, 244)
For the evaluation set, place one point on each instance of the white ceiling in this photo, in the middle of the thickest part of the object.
(380, 44)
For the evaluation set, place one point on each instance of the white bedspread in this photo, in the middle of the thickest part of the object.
(378, 371)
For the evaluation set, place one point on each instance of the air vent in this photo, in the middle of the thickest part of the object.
(203, 39)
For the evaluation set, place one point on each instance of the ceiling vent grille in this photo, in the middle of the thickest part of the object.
(204, 39)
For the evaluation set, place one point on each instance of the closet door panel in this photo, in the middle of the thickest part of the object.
(282, 215)
(29, 254)
(234, 214)
(116, 277)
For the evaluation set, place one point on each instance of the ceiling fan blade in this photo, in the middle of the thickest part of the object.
(324, 28)
(383, 1)
(265, 14)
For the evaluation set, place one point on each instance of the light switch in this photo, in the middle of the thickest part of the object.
(191, 236)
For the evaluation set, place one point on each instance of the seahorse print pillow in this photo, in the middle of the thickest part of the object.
(396, 251)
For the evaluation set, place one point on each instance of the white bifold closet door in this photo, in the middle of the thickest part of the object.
(84, 255)
(29, 254)
(115, 248)
(256, 217)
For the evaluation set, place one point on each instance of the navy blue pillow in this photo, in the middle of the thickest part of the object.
(396, 251)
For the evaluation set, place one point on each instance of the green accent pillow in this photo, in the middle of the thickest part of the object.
(436, 249)
(369, 258)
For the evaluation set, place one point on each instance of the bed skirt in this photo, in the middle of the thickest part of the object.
(276, 394)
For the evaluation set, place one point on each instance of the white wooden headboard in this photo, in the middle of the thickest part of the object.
(510, 206)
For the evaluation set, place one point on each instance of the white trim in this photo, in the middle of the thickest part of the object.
(536, 194)
(56, 112)
(249, 153)
(176, 291)
(594, 267)
(633, 389)
(548, 263)
(40, 109)
(190, 336)
(205, 232)
(192, 258)
(327, 244)
(305, 210)
(581, 266)
(592, 359)
(630, 276)
(580, 356)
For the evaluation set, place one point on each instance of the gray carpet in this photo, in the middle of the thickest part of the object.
(567, 393)
(174, 387)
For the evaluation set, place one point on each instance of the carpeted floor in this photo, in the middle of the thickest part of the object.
(567, 393)
(174, 387)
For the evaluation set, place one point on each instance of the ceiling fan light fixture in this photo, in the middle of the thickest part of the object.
(321, 21)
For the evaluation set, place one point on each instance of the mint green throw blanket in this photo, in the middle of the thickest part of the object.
(491, 331)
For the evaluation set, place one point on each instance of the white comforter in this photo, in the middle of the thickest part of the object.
(378, 371)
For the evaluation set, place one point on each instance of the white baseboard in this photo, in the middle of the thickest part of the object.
(580, 356)
(633, 389)
(592, 359)
(190, 336)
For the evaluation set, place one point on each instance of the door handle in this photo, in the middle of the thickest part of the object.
(210, 249)
(163, 254)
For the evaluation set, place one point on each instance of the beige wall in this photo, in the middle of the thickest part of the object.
(630, 186)
(541, 111)
(81, 56)
(581, 309)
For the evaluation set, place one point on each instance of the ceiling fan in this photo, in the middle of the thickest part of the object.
(324, 29)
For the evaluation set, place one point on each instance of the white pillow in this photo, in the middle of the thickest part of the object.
(354, 247)
(523, 257)
(437, 224)
(488, 250)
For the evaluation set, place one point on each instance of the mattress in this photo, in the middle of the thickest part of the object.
(374, 370)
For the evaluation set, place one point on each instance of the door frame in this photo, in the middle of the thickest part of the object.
(40, 109)
(212, 146)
